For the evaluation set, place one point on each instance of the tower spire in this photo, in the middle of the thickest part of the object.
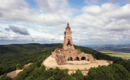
(68, 26)
(67, 23)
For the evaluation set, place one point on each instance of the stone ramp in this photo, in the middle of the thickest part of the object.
(13, 74)
(50, 62)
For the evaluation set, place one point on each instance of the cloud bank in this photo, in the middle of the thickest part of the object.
(18, 30)
(98, 22)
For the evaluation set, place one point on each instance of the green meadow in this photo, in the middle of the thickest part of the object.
(123, 55)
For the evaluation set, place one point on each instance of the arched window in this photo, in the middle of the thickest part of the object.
(83, 58)
(70, 59)
(77, 58)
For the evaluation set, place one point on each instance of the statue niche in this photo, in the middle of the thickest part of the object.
(69, 44)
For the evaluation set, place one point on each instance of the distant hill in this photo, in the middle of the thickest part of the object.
(118, 48)
(13, 54)
(122, 51)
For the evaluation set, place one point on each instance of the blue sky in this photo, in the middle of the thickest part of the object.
(44, 21)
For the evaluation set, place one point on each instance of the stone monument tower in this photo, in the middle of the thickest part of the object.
(68, 44)
(72, 58)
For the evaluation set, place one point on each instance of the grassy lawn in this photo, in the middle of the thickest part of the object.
(117, 54)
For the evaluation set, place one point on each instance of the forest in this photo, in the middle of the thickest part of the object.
(20, 54)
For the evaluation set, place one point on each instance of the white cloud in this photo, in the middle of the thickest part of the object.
(108, 23)
(12, 4)
(91, 2)
(18, 10)
(92, 9)
(55, 6)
